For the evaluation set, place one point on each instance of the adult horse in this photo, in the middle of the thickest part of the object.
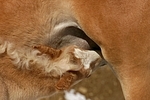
(119, 27)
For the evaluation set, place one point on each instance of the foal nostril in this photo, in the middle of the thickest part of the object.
(74, 60)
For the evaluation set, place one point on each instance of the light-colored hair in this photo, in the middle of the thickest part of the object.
(24, 57)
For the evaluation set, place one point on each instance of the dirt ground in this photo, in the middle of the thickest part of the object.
(102, 85)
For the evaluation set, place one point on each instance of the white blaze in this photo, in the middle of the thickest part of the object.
(86, 56)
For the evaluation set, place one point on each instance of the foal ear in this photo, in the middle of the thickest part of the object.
(53, 53)
(70, 78)
(66, 81)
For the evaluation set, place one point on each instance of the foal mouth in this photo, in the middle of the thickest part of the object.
(74, 36)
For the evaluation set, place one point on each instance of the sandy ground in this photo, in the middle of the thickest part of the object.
(102, 85)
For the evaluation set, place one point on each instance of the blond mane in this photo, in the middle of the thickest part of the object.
(25, 57)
